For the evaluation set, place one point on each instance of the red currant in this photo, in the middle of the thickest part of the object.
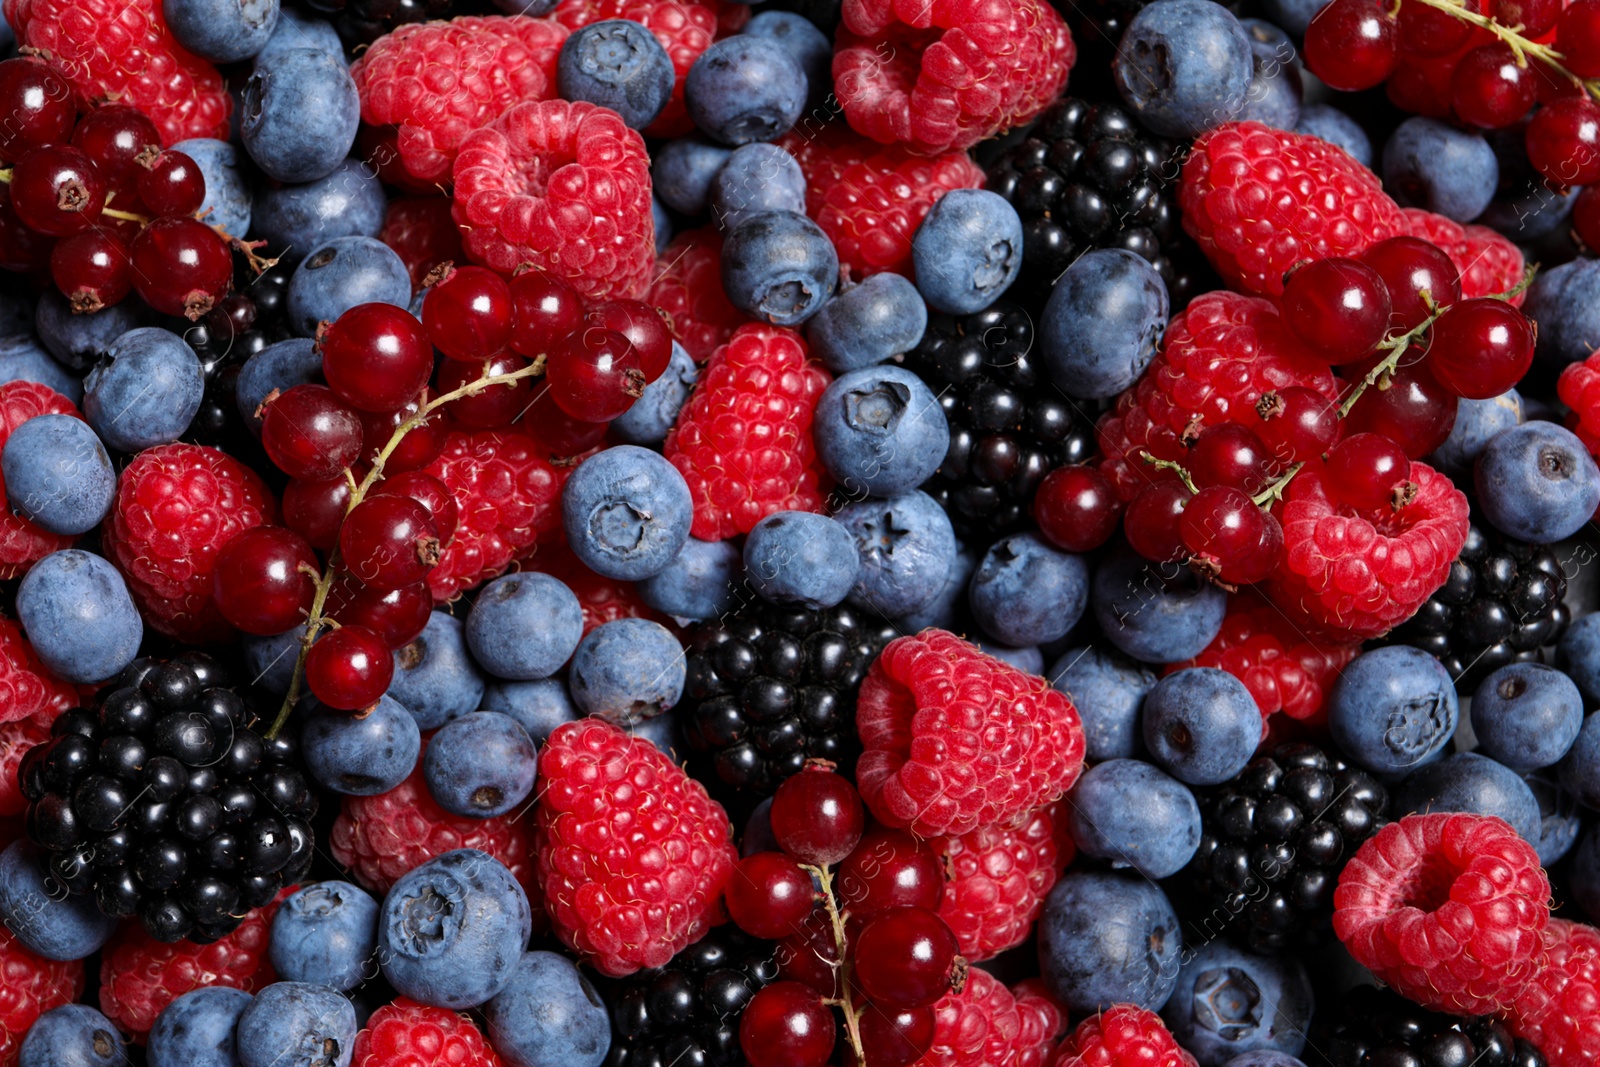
(496, 405)
(428, 491)
(1365, 470)
(787, 1025)
(181, 267)
(114, 136)
(1563, 141)
(37, 103)
(376, 357)
(264, 580)
(315, 509)
(1415, 412)
(93, 269)
(642, 325)
(350, 668)
(22, 250)
(811, 956)
(1427, 31)
(1553, 85)
(594, 375)
(1352, 44)
(1409, 267)
(1490, 89)
(1230, 454)
(1151, 522)
(1259, 562)
(389, 541)
(1578, 38)
(309, 434)
(397, 615)
(58, 190)
(1296, 424)
(1586, 218)
(1221, 525)
(769, 895)
(817, 816)
(888, 869)
(895, 1037)
(1076, 508)
(559, 432)
(468, 315)
(1536, 17)
(907, 957)
(544, 311)
(419, 447)
(172, 184)
(1480, 348)
(1338, 307)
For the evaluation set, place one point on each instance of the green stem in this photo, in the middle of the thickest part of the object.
(852, 1017)
(1169, 465)
(1521, 47)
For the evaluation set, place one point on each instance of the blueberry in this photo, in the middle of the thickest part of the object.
(779, 266)
(655, 413)
(701, 583)
(906, 547)
(223, 31)
(1293, 15)
(1265, 1058)
(1529, 211)
(1393, 709)
(145, 392)
(481, 765)
(1526, 715)
(1334, 126)
(745, 89)
(281, 367)
(1028, 592)
(548, 1015)
(662, 223)
(880, 431)
(1469, 782)
(1129, 813)
(227, 192)
(434, 677)
(1559, 821)
(1108, 939)
(1434, 165)
(1578, 654)
(270, 660)
(626, 512)
(1275, 85)
(626, 670)
(756, 177)
(538, 706)
(1477, 423)
(1565, 303)
(325, 934)
(79, 617)
(662, 732)
(299, 114)
(524, 626)
(758, 835)
(296, 29)
(1028, 660)
(1228, 1001)
(196, 1030)
(361, 754)
(73, 1035)
(21, 359)
(57, 474)
(795, 557)
(617, 64)
(1585, 875)
(346, 203)
(342, 273)
(967, 251)
(947, 605)
(1580, 770)
(296, 1022)
(1184, 66)
(1108, 690)
(1103, 322)
(1537, 482)
(1201, 724)
(810, 47)
(868, 323)
(78, 341)
(453, 930)
(1153, 612)
(681, 172)
(38, 912)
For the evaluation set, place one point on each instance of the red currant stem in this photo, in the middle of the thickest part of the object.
(1169, 465)
(316, 622)
(5, 175)
(125, 216)
(1528, 274)
(1268, 496)
(852, 1016)
(1396, 347)
(1521, 47)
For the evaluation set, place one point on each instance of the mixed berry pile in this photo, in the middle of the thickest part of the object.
(810, 533)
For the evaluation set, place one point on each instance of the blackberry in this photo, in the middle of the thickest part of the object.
(1500, 605)
(360, 22)
(1087, 176)
(1009, 425)
(1377, 1028)
(166, 803)
(1273, 841)
(686, 1014)
(770, 687)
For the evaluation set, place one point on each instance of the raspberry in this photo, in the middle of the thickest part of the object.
(176, 507)
(1488, 262)
(997, 878)
(140, 975)
(602, 599)
(1122, 1036)
(438, 81)
(1259, 200)
(824, 154)
(688, 290)
(1579, 389)
(407, 1034)
(743, 441)
(421, 230)
(30, 985)
(1219, 355)
(16, 738)
(121, 50)
(955, 739)
(632, 853)
(1042, 1018)
(948, 74)
(1352, 575)
(987, 1024)
(565, 187)
(507, 493)
(27, 688)
(1559, 1008)
(1447, 909)
(22, 544)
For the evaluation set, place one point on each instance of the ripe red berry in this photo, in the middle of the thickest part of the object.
(1221, 526)
(1366, 470)
(1259, 562)
(817, 816)
(1352, 44)
(396, 615)
(1586, 218)
(1480, 348)
(350, 668)
(907, 958)
(57, 190)
(1563, 141)
(1230, 453)
(1338, 307)
(37, 103)
(181, 267)
(264, 580)
(389, 541)
(1415, 412)
(93, 269)
(1296, 424)
(1536, 17)
(419, 447)
(641, 324)
(769, 895)
(594, 375)
(1151, 521)
(1427, 31)
(428, 491)
(889, 869)
(1490, 89)
(895, 1037)
(469, 314)
(559, 432)
(114, 136)
(544, 311)
(315, 509)
(811, 955)
(495, 405)
(1578, 38)
(1076, 508)
(1409, 267)
(787, 1025)
(309, 434)
(171, 184)
(377, 357)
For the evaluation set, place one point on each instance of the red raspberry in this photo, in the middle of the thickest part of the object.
(30, 985)
(27, 688)
(16, 738)
(407, 1034)
(507, 493)
(423, 232)
(121, 50)
(986, 1024)
(438, 81)
(602, 599)
(565, 187)
(997, 878)
(824, 154)
(1218, 356)
(948, 74)
(688, 290)
(1579, 389)
(22, 544)
(1041, 1016)
(139, 975)
(632, 853)
(743, 441)
(176, 507)
(1350, 575)
(1447, 909)
(1260, 200)
(956, 740)
(1559, 1008)
(1122, 1036)
(1489, 263)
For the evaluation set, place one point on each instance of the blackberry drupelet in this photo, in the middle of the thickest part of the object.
(1273, 842)
(1009, 426)
(1374, 1027)
(166, 802)
(361, 22)
(686, 1014)
(1500, 605)
(247, 320)
(770, 687)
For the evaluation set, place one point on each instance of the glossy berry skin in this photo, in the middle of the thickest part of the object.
(264, 580)
(315, 509)
(57, 190)
(817, 816)
(1481, 348)
(1415, 412)
(1151, 521)
(1536, 17)
(1563, 141)
(642, 325)
(769, 895)
(1339, 307)
(906, 957)
(1230, 454)
(1410, 266)
(114, 136)
(1366, 471)
(37, 103)
(469, 314)
(94, 269)
(376, 357)
(1296, 423)
(419, 447)
(544, 311)
(1578, 38)
(1352, 44)
(389, 541)
(349, 668)
(428, 491)
(897, 1037)
(181, 267)
(1489, 89)
(309, 434)
(397, 615)
(1076, 508)
(171, 184)
(595, 375)
(493, 406)
(1586, 218)
(1427, 31)
(889, 869)
(1221, 525)
(787, 1025)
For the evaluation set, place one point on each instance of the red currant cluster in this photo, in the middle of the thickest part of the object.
(856, 915)
(66, 173)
